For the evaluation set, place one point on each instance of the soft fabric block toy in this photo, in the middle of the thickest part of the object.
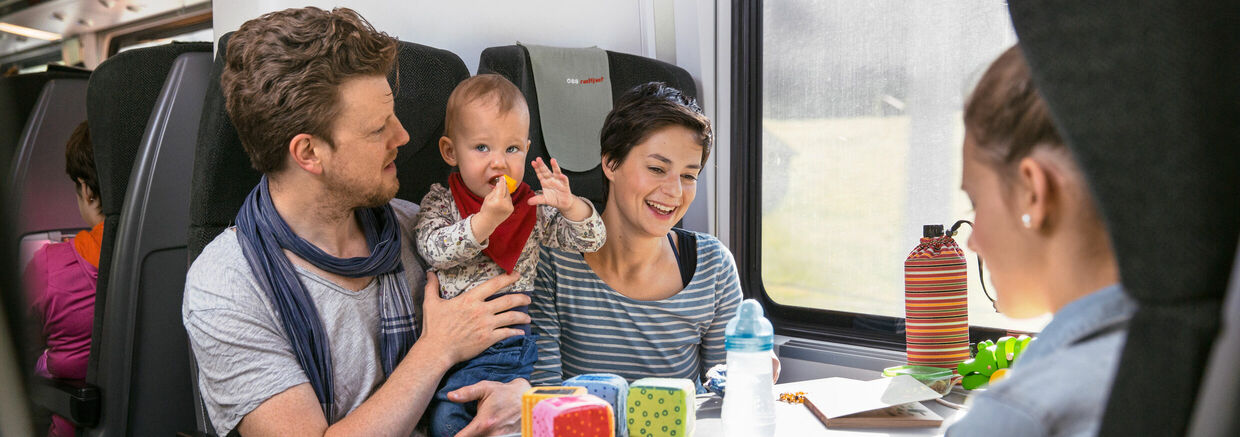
(574, 416)
(536, 394)
(661, 407)
(608, 387)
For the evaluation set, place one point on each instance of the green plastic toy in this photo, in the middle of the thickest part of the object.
(991, 356)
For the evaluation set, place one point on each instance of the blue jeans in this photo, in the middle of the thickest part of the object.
(506, 360)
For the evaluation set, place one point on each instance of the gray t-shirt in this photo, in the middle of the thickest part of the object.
(243, 354)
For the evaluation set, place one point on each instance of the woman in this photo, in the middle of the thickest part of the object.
(653, 302)
(61, 278)
(1047, 250)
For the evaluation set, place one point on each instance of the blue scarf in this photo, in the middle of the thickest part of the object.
(263, 234)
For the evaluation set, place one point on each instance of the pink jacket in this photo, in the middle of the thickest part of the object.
(62, 287)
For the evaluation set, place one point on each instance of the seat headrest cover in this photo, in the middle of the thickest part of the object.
(574, 97)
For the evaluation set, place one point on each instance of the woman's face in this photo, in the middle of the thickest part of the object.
(1000, 238)
(653, 187)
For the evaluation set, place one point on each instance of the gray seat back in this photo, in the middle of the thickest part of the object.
(1220, 388)
(136, 110)
(145, 368)
(41, 193)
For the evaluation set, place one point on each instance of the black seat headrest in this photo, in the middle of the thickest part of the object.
(222, 172)
(1145, 95)
(627, 71)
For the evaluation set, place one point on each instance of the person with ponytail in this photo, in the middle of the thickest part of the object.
(1046, 247)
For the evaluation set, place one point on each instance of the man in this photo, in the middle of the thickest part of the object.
(301, 317)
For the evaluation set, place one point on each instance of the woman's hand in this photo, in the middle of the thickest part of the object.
(775, 366)
(499, 406)
(464, 326)
(556, 193)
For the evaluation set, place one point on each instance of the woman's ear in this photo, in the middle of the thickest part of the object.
(447, 151)
(1034, 192)
(609, 168)
(304, 151)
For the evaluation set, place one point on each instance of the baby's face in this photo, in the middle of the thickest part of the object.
(488, 143)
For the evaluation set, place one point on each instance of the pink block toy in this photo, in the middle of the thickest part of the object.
(574, 416)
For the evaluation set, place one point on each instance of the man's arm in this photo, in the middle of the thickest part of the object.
(453, 330)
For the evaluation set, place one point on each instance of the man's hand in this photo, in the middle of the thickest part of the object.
(499, 406)
(496, 208)
(462, 327)
(556, 193)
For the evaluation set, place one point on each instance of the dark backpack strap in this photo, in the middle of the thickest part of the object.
(686, 256)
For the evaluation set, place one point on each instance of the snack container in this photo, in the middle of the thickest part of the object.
(938, 379)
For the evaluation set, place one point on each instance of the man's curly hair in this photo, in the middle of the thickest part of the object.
(283, 71)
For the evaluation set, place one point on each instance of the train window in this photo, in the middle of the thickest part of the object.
(206, 35)
(861, 137)
(182, 28)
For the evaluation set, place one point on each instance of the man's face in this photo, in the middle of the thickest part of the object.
(361, 170)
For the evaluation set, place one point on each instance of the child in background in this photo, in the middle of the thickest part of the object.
(487, 222)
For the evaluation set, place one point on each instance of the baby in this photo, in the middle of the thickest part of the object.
(487, 222)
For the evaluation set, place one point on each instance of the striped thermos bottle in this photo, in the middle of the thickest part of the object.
(936, 304)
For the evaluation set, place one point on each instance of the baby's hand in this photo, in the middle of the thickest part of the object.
(496, 208)
(555, 190)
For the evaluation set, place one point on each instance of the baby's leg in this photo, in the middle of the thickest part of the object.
(506, 360)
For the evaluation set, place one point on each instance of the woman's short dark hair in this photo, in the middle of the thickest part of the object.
(80, 159)
(642, 111)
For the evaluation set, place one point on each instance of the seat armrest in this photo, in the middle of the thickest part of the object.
(74, 400)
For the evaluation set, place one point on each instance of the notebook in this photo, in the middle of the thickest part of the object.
(881, 403)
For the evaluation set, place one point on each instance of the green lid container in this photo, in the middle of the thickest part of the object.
(941, 380)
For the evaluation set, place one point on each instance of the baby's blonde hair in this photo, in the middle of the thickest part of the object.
(493, 87)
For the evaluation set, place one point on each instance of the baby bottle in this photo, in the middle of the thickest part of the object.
(749, 400)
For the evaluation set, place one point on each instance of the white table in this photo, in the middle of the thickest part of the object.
(795, 420)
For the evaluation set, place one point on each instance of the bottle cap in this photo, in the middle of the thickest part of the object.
(931, 231)
(749, 331)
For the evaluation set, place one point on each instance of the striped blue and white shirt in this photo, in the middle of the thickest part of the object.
(585, 326)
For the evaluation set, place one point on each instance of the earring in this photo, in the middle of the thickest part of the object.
(1026, 220)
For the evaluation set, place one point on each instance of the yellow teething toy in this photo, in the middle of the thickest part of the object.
(512, 184)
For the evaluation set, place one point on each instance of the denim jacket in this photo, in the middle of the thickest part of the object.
(1060, 385)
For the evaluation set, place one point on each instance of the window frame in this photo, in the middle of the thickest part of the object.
(746, 206)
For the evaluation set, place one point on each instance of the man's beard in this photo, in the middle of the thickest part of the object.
(350, 193)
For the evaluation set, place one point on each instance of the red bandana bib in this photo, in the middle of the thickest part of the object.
(510, 237)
